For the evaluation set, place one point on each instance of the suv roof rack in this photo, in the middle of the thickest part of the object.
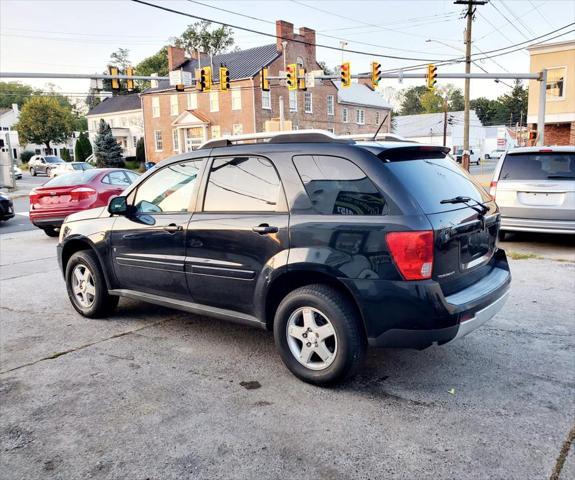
(297, 136)
(383, 136)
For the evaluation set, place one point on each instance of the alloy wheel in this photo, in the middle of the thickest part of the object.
(83, 286)
(311, 338)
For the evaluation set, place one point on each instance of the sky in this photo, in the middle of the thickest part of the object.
(77, 36)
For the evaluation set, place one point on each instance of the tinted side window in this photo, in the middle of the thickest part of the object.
(337, 186)
(242, 184)
(169, 189)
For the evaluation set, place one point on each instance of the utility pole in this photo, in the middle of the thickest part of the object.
(469, 14)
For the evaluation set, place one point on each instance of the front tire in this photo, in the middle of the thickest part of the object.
(319, 335)
(32, 171)
(86, 286)
(51, 231)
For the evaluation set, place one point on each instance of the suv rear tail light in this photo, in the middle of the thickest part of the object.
(412, 253)
(82, 193)
(493, 189)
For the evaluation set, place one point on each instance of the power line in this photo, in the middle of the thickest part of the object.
(527, 29)
(509, 21)
(537, 7)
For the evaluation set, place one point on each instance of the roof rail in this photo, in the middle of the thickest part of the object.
(389, 137)
(292, 136)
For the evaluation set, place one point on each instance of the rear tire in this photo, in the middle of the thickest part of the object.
(86, 286)
(319, 335)
(51, 231)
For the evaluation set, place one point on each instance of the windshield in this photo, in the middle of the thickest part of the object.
(81, 166)
(72, 179)
(538, 166)
(53, 159)
(432, 180)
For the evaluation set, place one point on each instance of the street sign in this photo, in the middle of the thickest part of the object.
(180, 77)
(310, 78)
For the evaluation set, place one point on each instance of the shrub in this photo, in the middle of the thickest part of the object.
(26, 155)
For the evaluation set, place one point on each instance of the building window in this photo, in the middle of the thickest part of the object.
(112, 122)
(158, 140)
(360, 116)
(135, 141)
(292, 101)
(155, 107)
(192, 101)
(237, 129)
(175, 140)
(214, 102)
(345, 115)
(556, 83)
(377, 118)
(308, 103)
(236, 99)
(173, 105)
(330, 105)
(267, 100)
(216, 132)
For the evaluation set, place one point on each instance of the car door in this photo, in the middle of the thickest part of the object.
(148, 245)
(239, 234)
(41, 165)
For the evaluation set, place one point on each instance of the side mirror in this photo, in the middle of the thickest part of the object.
(118, 206)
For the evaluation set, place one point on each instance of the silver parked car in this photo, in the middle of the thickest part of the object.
(535, 190)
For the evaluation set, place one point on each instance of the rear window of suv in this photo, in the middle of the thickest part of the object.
(434, 179)
(538, 166)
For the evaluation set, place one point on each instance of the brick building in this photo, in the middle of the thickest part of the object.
(175, 122)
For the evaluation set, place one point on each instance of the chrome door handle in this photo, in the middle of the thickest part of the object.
(264, 229)
(172, 228)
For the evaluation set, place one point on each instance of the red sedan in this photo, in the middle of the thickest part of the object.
(73, 192)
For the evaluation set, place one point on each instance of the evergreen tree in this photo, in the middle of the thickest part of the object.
(83, 148)
(65, 155)
(140, 152)
(106, 149)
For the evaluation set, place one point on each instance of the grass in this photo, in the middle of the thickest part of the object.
(133, 165)
(521, 256)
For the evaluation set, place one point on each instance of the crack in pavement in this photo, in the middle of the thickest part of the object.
(527, 332)
(26, 261)
(28, 274)
(563, 455)
(86, 345)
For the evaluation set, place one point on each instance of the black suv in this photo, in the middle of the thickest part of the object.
(331, 244)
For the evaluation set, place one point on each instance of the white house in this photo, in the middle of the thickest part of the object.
(124, 115)
(428, 128)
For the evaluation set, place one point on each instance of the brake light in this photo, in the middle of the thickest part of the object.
(493, 189)
(33, 197)
(412, 253)
(82, 193)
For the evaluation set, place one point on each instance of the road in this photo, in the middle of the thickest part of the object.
(159, 394)
(20, 222)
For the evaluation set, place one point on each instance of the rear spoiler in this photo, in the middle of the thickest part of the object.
(413, 152)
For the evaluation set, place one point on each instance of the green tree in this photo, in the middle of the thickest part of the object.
(26, 155)
(65, 155)
(44, 120)
(156, 63)
(83, 148)
(106, 149)
(140, 152)
(120, 58)
(14, 92)
(431, 102)
(411, 100)
(200, 36)
(456, 101)
(515, 103)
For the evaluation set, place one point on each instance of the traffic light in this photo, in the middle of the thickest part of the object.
(375, 74)
(130, 81)
(292, 76)
(264, 82)
(301, 79)
(224, 78)
(431, 76)
(115, 81)
(205, 83)
(345, 71)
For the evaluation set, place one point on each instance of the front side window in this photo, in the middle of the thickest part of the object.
(330, 105)
(118, 178)
(242, 184)
(236, 99)
(345, 115)
(158, 141)
(267, 100)
(155, 107)
(169, 189)
(173, 105)
(556, 83)
(336, 186)
(292, 101)
(308, 105)
(214, 102)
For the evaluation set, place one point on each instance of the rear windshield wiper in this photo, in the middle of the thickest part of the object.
(479, 207)
(561, 176)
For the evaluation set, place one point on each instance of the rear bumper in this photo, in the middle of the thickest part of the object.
(42, 222)
(6, 210)
(510, 224)
(418, 314)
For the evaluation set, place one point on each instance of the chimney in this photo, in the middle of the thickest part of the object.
(284, 32)
(308, 36)
(176, 56)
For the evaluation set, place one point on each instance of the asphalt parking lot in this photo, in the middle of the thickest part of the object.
(153, 393)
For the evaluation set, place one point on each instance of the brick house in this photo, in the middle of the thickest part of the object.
(175, 122)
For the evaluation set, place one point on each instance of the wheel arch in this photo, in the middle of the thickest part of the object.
(293, 279)
(77, 244)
